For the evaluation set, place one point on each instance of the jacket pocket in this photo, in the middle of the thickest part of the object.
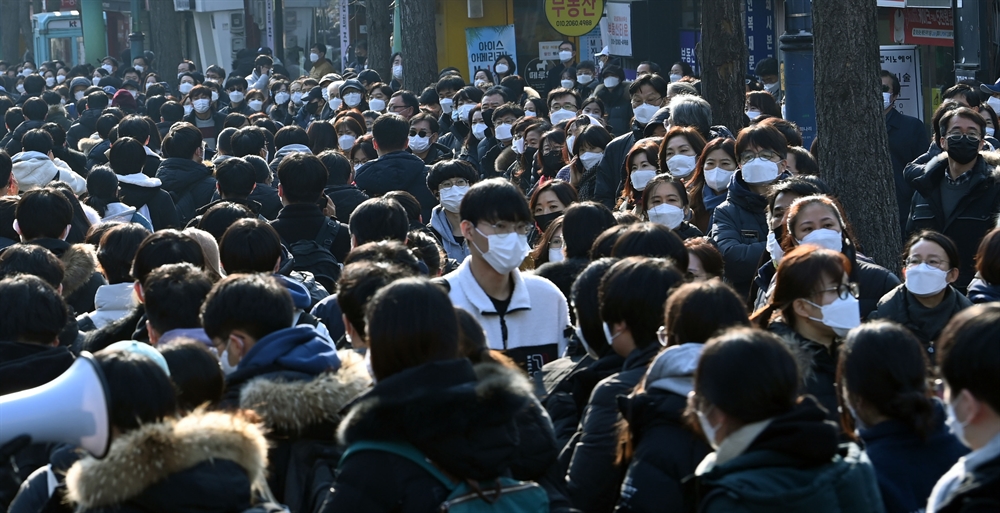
(922, 212)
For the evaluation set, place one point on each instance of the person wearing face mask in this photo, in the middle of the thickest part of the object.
(927, 299)
(585, 81)
(523, 315)
(501, 143)
(353, 96)
(523, 170)
(589, 149)
(665, 202)
(465, 100)
(255, 101)
(891, 409)
(278, 110)
(773, 449)
(679, 152)
(664, 448)
(567, 59)
(235, 89)
(812, 308)
(320, 66)
(450, 181)
(642, 169)
(739, 225)
(547, 203)
(969, 365)
(313, 106)
(204, 116)
(957, 195)
(613, 90)
(709, 183)
(632, 295)
(503, 67)
(563, 104)
(907, 141)
(769, 74)
(423, 140)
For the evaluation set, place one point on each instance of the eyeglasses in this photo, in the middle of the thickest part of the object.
(566, 106)
(955, 138)
(933, 262)
(455, 182)
(636, 101)
(414, 133)
(844, 290)
(506, 227)
(398, 108)
(747, 156)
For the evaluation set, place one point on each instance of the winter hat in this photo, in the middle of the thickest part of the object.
(369, 75)
(141, 348)
(351, 84)
(657, 120)
(329, 77)
(124, 100)
(673, 369)
(315, 93)
(79, 82)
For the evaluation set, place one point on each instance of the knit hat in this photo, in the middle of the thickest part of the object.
(79, 82)
(351, 84)
(141, 348)
(124, 100)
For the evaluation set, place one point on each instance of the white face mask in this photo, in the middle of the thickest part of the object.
(447, 105)
(842, 315)
(368, 365)
(357, 166)
(753, 114)
(644, 112)
(584, 79)
(556, 255)
(506, 252)
(215, 96)
(956, 426)
(707, 428)
(376, 104)
(138, 68)
(567, 84)
(352, 99)
(133, 92)
(313, 57)
(479, 130)
(108, 68)
(530, 114)
(397, 71)
(419, 144)
(561, 115)
(60, 79)
(326, 94)
(591, 158)
(886, 100)
(297, 97)
(824, 238)
(774, 248)
(675, 77)
(718, 179)
(451, 197)
(335, 104)
(760, 171)
(503, 132)
(608, 335)
(185, 87)
(502, 68)
(569, 144)
(681, 165)
(346, 142)
(187, 110)
(772, 88)
(990, 131)
(201, 105)
(518, 146)
(641, 177)
(565, 55)
(50, 81)
(224, 362)
(236, 96)
(994, 102)
(462, 114)
(20, 88)
(667, 215)
(611, 82)
(78, 95)
(96, 80)
(255, 105)
(590, 351)
(281, 98)
(924, 280)
(480, 82)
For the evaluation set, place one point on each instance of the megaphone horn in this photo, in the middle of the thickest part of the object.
(73, 409)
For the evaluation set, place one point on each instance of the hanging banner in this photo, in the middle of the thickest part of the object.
(904, 62)
(760, 31)
(932, 27)
(689, 49)
(620, 29)
(485, 44)
(269, 24)
(574, 17)
(345, 32)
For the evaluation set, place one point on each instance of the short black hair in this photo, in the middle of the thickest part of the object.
(172, 112)
(391, 132)
(134, 126)
(33, 260)
(97, 100)
(35, 109)
(449, 82)
(338, 167)
(105, 124)
(117, 250)
(249, 246)
(127, 156)
(302, 177)
(969, 353)
(696, 311)
(655, 81)
(235, 120)
(255, 303)
(895, 81)
(172, 295)
(429, 96)
(13, 118)
(428, 249)
(386, 251)
(409, 203)
(651, 240)
(291, 134)
(139, 391)
(635, 291)
(379, 219)
(235, 177)
(36, 139)
(195, 371)
(497, 90)
(494, 200)
(31, 311)
(448, 169)
(56, 132)
(432, 122)
(248, 140)
(219, 217)
(43, 213)
(585, 300)
(359, 282)
(165, 247)
(582, 223)
(182, 141)
(6, 169)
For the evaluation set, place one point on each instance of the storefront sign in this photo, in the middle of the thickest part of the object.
(485, 44)
(535, 73)
(548, 50)
(933, 27)
(760, 31)
(590, 44)
(574, 17)
(620, 29)
(904, 62)
(689, 49)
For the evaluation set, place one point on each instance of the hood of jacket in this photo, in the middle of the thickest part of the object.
(802, 433)
(673, 369)
(148, 455)
(928, 176)
(177, 174)
(98, 152)
(119, 297)
(392, 171)
(654, 407)
(88, 118)
(289, 149)
(982, 292)
(33, 169)
(291, 406)
(80, 261)
(299, 292)
(741, 195)
(299, 348)
(460, 416)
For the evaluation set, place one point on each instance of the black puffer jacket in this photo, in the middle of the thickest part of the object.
(817, 366)
(469, 421)
(739, 229)
(397, 171)
(611, 170)
(189, 183)
(138, 190)
(898, 305)
(14, 145)
(618, 106)
(84, 126)
(345, 198)
(569, 382)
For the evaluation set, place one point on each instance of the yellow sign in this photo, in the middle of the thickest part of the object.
(574, 17)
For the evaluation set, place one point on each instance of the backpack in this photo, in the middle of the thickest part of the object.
(503, 495)
(314, 255)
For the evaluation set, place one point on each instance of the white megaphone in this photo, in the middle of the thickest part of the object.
(72, 408)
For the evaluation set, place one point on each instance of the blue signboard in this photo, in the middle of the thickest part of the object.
(689, 45)
(761, 41)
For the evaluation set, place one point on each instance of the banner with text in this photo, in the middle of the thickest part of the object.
(485, 44)
(620, 29)
(904, 62)
(760, 31)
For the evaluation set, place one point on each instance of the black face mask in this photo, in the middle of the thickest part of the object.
(311, 108)
(962, 150)
(552, 161)
(543, 221)
(529, 156)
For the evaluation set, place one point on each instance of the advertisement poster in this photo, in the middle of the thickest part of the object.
(485, 44)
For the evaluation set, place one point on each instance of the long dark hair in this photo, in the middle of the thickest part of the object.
(799, 276)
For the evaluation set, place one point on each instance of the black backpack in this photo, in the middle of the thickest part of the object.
(314, 255)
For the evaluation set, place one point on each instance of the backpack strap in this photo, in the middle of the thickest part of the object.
(327, 233)
(401, 449)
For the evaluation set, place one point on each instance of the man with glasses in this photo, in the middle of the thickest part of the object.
(403, 103)
(524, 316)
(450, 181)
(958, 194)
(395, 169)
(907, 141)
(424, 132)
(563, 105)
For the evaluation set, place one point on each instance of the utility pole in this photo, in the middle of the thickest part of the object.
(136, 38)
(972, 41)
(95, 34)
(797, 45)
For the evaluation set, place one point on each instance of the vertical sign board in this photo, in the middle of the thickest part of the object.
(904, 62)
(269, 24)
(345, 32)
(689, 47)
(760, 31)
(590, 44)
(620, 29)
(485, 44)
(574, 17)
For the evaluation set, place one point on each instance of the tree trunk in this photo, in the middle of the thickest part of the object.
(166, 39)
(850, 125)
(379, 32)
(723, 61)
(420, 67)
(10, 27)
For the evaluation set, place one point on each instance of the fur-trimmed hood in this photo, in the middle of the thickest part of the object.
(462, 417)
(992, 158)
(292, 406)
(140, 461)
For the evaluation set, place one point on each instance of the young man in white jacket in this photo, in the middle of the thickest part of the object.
(35, 166)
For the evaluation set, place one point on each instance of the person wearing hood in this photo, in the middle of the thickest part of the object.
(287, 374)
(340, 186)
(449, 181)
(423, 140)
(648, 93)
(739, 225)
(138, 191)
(890, 408)
(986, 286)
(633, 294)
(288, 140)
(813, 306)
(36, 167)
(773, 450)
(182, 173)
(97, 148)
(115, 254)
(395, 168)
(661, 446)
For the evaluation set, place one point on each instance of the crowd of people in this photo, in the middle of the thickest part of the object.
(331, 293)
